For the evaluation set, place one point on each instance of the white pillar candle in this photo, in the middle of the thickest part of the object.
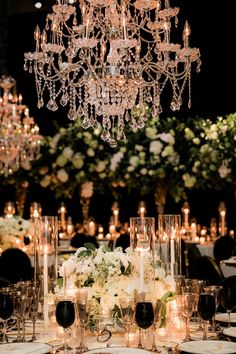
(141, 279)
(45, 284)
(172, 257)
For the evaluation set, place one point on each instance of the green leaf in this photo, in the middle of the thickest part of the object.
(168, 296)
(90, 246)
(60, 282)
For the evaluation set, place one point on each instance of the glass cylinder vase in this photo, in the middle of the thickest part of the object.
(142, 243)
(47, 262)
(169, 227)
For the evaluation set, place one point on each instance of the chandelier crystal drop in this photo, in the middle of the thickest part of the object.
(109, 59)
(19, 135)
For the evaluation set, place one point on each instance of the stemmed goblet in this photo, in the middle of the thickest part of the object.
(144, 317)
(215, 290)
(65, 317)
(6, 310)
(206, 309)
(34, 308)
(228, 300)
(187, 305)
(127, 307)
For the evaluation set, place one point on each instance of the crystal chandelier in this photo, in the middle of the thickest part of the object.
(111, 59)
(19, 135)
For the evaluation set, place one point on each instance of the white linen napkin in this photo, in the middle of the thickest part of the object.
(24, 348)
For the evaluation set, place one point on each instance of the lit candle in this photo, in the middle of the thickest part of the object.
(112, 229)
(116, 214)
(91, 228)
(222, 214)
(142, 211)
(45, 284)
(186, 213)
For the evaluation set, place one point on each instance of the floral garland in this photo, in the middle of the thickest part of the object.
(175, 153)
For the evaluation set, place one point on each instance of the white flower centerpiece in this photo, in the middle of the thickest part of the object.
(12, 232)
(109, 275)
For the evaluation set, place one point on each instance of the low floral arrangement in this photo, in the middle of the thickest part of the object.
(109, 275)
(12, 231)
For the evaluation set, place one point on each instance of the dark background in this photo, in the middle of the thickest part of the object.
(213, 92)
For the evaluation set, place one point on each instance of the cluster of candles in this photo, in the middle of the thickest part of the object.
(198, 234)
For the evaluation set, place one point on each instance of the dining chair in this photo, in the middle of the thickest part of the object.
(15, 265)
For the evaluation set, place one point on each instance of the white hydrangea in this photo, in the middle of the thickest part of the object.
(115, 160)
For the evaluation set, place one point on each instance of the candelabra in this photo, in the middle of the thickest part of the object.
(19, 135)
(109, 64)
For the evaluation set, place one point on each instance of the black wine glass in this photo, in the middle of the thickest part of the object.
(6, 310)
(228, 301)
(206, 309)
(65, 317)
(144, 317)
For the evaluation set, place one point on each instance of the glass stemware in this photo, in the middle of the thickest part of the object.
(144, 317)
(215, 290)
(157, 315)
(228, 301)
(34, 309)
(127, 307)
(82, 308)
(206, 309)
(65, 317)
(187, 305)
(6, 310)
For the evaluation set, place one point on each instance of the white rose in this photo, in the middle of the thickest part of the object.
(167, 138)
(133, 161)
(155, 147)
(151, 133)
(100, 166)
(68, 152)
(90, 152)
(62, 175)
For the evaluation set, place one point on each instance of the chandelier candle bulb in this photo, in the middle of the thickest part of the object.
(186, 34)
